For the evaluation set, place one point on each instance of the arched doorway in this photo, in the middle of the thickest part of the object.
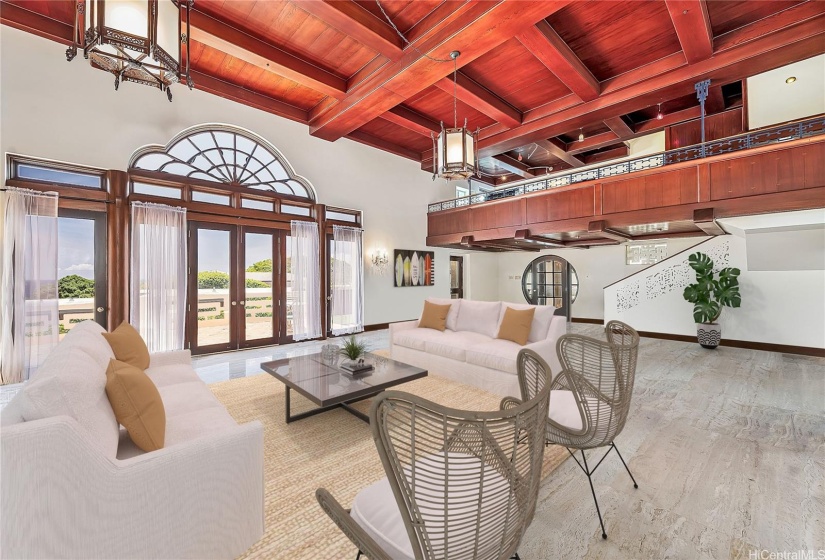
(551, 280)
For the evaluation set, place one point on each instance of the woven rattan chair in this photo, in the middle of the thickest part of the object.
(590, 397)
(460, 485)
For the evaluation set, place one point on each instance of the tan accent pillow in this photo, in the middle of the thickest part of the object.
(434, 316)
(137, 404)
(516, 325)
(128, 346)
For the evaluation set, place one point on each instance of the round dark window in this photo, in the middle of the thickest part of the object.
(544, 282)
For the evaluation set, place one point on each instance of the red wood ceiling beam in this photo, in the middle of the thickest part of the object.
(227, 39)
(411, 120)
(705, 219)
(798, 33)
(381, 144)
(619, 127)
(599, 227)
(669, 119)
(232, 92)
(37, 24)
(353, 20)
(607, 155)
(474, 28)
(558, 150)
(692, 24)
(513, 165)
(551, 50)
(477, 96)
(595, 142)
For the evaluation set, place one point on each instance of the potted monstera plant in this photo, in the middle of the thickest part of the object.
(709, 294)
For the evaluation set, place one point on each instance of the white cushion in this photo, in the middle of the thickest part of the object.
(479, 316)
(183, 398)
(376, 510)
(563, 410)
(455, 308)
(496, 354)
(88, 335)
(454, 345)
(542, 318)
(171, 374)
(181, 428)
(72, 383)
(416, 338)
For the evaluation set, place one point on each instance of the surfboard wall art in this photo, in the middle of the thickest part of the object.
(414, 268)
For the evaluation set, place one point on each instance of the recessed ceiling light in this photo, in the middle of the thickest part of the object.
(790, 80)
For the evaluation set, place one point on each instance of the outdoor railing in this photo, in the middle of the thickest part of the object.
(752, 139)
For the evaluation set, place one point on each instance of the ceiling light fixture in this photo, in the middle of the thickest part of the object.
(140, 41)
(581, 135)
(454, 151)
(659, 115)
(790, 80)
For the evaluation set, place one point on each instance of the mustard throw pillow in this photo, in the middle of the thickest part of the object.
(434, 316)
(516, 325)
(137, 404)
(128, 346)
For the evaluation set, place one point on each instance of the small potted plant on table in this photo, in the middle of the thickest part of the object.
(708, 295)
(354, 350)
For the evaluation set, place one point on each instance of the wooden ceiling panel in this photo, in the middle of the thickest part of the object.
(611, 38)
(405, 14)
(514, 74)
(287, 26)
(438, 105)
(230, 69)
(729, 15)
(57, 10)
(391, 132)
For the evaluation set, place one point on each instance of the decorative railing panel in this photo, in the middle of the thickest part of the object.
(754, 139)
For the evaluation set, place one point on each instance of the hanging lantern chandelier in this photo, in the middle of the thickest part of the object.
(140, 41)
(454, 151)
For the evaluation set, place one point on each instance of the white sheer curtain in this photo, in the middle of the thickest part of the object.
(306, 280)
(158, 278)
(347, 280)
(28, 281)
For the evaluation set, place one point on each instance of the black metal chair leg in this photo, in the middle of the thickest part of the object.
(593, 491)
(515, 556)
(625, 466)
(359, 556)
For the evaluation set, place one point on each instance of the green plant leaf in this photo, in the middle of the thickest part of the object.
(706, 311)
(353, 349)
(692, 293)
(727, 292)
(701, 263)
(730, 273)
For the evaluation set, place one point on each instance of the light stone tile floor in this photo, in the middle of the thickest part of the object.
(727, 445)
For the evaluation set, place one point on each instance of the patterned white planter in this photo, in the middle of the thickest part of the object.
(709, 334)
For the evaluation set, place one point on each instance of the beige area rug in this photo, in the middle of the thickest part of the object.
(333, 450)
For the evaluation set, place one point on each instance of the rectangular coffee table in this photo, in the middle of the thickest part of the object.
(329, 386)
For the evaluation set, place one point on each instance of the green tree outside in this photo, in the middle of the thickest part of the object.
(74, 286)
(213, 279)
(261, 266)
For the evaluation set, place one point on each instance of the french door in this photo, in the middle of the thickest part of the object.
(236, 287)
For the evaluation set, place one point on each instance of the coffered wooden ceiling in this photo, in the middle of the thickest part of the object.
(532, 74)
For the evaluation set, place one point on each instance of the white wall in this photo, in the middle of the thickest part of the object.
(64, 111)
(596, 267)
(778, 307)
(772, 101)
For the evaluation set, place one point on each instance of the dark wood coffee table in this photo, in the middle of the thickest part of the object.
(328, 386)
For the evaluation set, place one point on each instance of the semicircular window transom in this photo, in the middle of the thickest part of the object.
(225, 156)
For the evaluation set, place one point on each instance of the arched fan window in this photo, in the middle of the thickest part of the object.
(224, 154)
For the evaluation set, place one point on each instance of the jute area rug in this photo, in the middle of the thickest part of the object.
(333, 450)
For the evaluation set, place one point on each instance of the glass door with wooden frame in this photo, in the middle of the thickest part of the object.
(234, 287)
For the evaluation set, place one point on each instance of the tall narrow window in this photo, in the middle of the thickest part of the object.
(346, 281)
(28, 282)
(158, 283)
(306, 280)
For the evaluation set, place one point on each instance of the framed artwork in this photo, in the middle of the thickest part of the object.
(414, 268)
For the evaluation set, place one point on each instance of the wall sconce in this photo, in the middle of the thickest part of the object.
(379, 261)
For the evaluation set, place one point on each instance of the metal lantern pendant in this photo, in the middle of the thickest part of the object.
(140, 41)
(454, 151)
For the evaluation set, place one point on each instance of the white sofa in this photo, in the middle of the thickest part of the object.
(73, 485)
(468, 350)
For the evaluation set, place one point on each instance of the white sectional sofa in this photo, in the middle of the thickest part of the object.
(73, 485)
(468, 350)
